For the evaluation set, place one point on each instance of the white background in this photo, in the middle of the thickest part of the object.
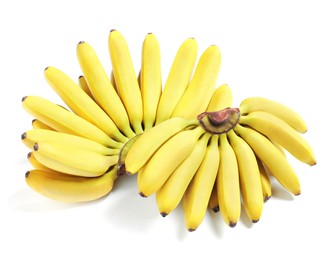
(282, 50)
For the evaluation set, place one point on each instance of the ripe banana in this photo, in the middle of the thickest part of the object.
(249, 175)
(143, 149)
(84, 86)
(67, 188)
(126, 79)
(167, 158)
(80, 103)
(279, 131)
(197, 96)
(38, 124)
(221, 98)
(178, 79)
(92, 163)
(285, 113)
(265, 181)
(170, 194)
(197, 196)
(102, 89)
(31, 137)
(227, 182)
(272, 158)
(65, 121)
(150, 79)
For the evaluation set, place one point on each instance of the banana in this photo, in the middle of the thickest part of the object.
(143, 149)
(249, 176)
(221, 98)
(80, 103)
(197, 196)
(227, 182)
(265, 181)
(150, 82)
(285, 113)
(279, 131)
(84, 86)
(170, 194)
(197, 96)
(101, 88)
(65, 121)
(31, 137)
(126, 79)
(67, 188)
(213, 202)
(178, 79)
(167, 158)
(36, 164)
(38, 124)
(272, 158)
(94, 163)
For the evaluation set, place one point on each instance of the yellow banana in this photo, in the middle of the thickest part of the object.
(166, 159)
(126, 79)
(147, 144)
(150, 82)
(265, 181)
(196, 98)
(285, 113)
(279, 131)
(102, 89)
(31, 137)
(84, 86)
(170, 194)
(67, 188)
(38, 124)
(93, 163)
(213, 202)
(249, 175)
(227, 182)
(197, 196)
(80, 103)
(221, 98)
(178, 79)
(272, 158)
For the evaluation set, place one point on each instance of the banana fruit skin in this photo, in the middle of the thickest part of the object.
(178, 79)
(291, 117)
(280, 132)
(181, 144)
(68, 188)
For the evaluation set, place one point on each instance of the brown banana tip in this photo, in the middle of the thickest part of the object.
(46, 68)
(24, 136)
(24, 98)
(33, 121)
(36, 147)
(267, 198)
(81, 42)
(297, 194)
(81, 76)
(142, 194)
(27, 174)
(191, 229)
(255, 221)
(29, 155)
(164, 214)
(232, 224)
(112, 30)
(149, 33)
(215, 209)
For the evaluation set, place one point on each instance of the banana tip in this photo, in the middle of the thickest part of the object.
(142, 194)
(81, 42)
(112, 30)
(255, 221)
(191, 229)
(215, 209)
(232, 224)
(27, 174)
(24, 98)
(267, 198)
(29, 155)
(24, 136)
(35, 147)
(46, 68)
(164, 214)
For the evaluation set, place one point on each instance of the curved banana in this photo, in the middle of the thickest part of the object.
(178, 79)
(265, 181)
(249, 175)
(285, 113)
(196, 98)
(93, 163)
(221, 99)
(279, 131)
(272, 158)
(80, 103)
(143, 149)
(166, 159)
(170, 194)
(197, 196)
(126, 79)
(228, 189)
(101, 88)
(38, 124)
(213, 201)
(67, 188)
(65, 121)
(31, 137)
(150, 79)
(84, 86)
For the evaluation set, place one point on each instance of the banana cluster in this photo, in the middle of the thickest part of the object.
(183, 139)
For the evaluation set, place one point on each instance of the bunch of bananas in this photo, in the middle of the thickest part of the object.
(183, 140)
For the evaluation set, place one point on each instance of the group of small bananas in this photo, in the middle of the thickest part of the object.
(184, 140)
